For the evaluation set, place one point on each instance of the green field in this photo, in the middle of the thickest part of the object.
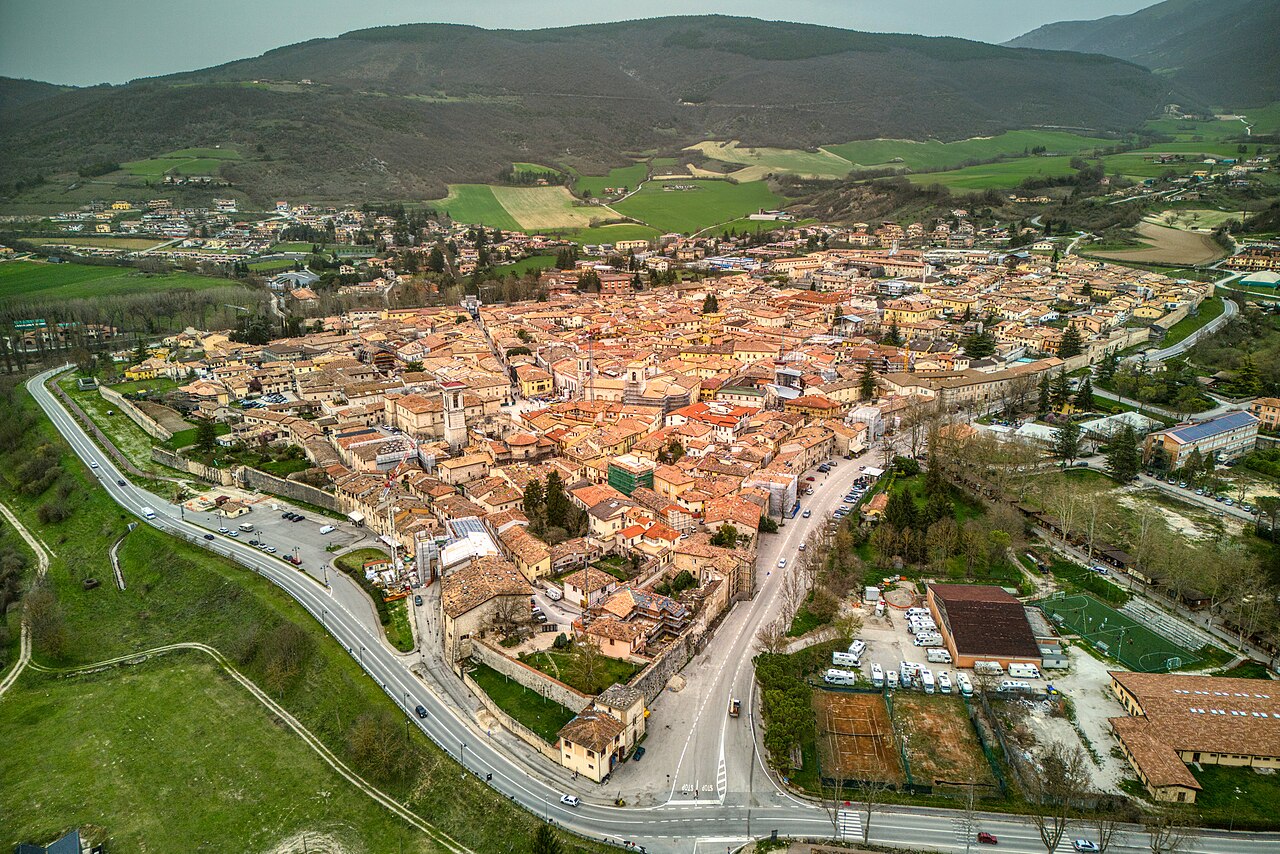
(175, 731)
(822, 163)
(526, 265)
(933, 154)
(476, 204)
(272, 266)
(624, 176)
(559, 665)
(1002, 174)
(1116, 634)
(536, 168)
(608, 233)
(186, 161)
(31, 279)
(713, 202)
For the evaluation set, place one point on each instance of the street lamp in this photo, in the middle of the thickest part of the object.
(362, 655)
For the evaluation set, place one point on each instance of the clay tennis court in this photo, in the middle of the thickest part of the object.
(855, 738)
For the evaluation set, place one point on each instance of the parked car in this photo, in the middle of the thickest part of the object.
(298, 517)
(327, 529)
(1084, 845)
(639, 753)
(417, 600)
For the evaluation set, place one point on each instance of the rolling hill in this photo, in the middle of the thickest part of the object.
(402, 111)
(14, 92)
(1221, 51)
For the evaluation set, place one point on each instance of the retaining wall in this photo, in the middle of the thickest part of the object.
(530, 677)
(521, 731)
(148, 424)
(653, 679)
(257, 479)
(221, 477)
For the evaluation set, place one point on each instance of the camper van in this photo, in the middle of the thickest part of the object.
(918, 612)
(988, 668)
(857, 648)
(880, 608)
(845, 659)
(928, 640)
(1014, 685)
(937, 655)
(926, 679)
(1024, 671)
(839, 677)
(965, 683)
(905, 671)
(944, 682)
(891, 679)
(877, 676)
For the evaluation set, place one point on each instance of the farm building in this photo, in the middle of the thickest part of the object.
(1175, 720)
(981, 622)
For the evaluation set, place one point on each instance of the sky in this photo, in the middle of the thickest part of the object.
(85, 42)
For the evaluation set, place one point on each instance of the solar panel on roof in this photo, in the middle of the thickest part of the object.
(1212, 427)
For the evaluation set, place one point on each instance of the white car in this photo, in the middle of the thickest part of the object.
(93, 465)
(801, 547)
(570, 800)
(327, 529)
(1084, 845)
(782, 563)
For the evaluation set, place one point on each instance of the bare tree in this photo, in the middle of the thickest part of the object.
(1169, 830)
(1104, 825)
(869, 796)
(772, 637)
(1056, 781)
(833, 794)
(587, 666)
(509, 613)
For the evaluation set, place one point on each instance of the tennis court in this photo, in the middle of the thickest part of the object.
(1116, 634)
(855, 737)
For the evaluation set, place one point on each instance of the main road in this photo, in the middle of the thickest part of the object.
(674, 825)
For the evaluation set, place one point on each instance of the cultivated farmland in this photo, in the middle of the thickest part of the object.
(1169, 246)
(539, 208)
(21, 280)
(933, 154)
(708, 203)
(820, 163)
(624, 176)
(1002, 174)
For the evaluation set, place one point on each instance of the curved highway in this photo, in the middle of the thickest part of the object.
(672, 826)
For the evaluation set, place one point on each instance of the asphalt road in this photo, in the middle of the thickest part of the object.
(706, 826)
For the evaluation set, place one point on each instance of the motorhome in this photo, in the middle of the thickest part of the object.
(944, 682)
(877, 676)
(1024, 671)
(926, 679)
(839, 677)
(1014, 685)
(988, 668)
(965, 683)
(858, 647)
(928, 640)
(918, 612)
(937, 655)
(891, 678)
(845, 659)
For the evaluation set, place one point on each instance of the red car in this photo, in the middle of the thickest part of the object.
(809, 479)
(987, 838)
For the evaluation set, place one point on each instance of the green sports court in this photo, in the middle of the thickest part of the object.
(1115, 634)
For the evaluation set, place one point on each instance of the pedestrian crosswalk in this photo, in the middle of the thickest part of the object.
(849, 825)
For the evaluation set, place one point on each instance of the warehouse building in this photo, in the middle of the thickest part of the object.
(983, 623)
(1176, 720)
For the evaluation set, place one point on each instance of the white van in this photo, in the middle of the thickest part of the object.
(937, 655)
(554, 594)
(845, 659)
(944, 682)
(857, 647)
(891, 679)
(928, 640)
(989, 668)
(246, 526)
(966, 685)
(877, 676)
(926, 679)
(148, 513)
(327, 529)
(918, 612)
(1014, 685)
(839, 677)
(1024, 671)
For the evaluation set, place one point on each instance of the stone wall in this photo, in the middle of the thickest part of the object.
(521, 731)
(148, 424)
(221, 477)
(252, 478)
(531, 678)
(653, 679)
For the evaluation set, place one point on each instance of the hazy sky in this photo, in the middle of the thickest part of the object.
(84, 42)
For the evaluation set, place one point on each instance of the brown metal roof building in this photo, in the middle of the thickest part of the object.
(980, 622)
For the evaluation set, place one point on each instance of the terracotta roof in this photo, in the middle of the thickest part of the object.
(593, 729)
(478, 582)
(590, 579)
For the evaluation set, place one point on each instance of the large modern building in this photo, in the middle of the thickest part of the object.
(1227, 436)
(1175, 720)
(981, 622)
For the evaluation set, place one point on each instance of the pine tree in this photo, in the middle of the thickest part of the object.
(557, 502)
(1072, 344)
(1061, 390)
(1084, 395)
(1123, 459)
(1066, 442)
(1045, 399)
(710, 305)
(544, 841)
(900, 511)
(1247, 378)
(206, 435)
(867, 382)
(894, 337)
(534, 499)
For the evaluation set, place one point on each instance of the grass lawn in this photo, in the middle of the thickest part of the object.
(1002, 174)
(614, 565)
(933, 154)
(805, 620)
(186, 438)
(159, 385)
(543, 716)
(399, 632)
(1238, 797)
(128, 437)
(607, 233)
(139, 740)
(272, 265)
(624, 176)
(1246, 670)
(1209, 309)
(476, 204)
(355, 561)
(527, 265)
(178, 591)
(31, 280)
(713, 202)
(558, 665)
(963, 507)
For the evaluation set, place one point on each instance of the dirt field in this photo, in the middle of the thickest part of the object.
(855, 737)
(941, 744)
(1169, 246)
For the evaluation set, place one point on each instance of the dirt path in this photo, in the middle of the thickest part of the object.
(42, 566)
(1169, 246)
(330, 759)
